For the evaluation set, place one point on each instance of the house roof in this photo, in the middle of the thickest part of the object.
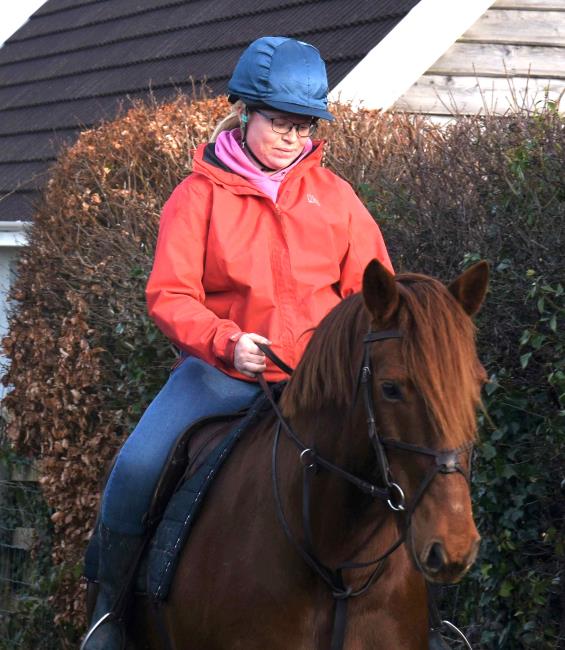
(76, 61)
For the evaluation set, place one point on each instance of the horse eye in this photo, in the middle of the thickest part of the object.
(391, 391)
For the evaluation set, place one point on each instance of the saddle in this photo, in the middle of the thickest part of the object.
(191, 467)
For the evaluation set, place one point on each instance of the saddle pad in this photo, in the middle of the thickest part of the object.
(181, 512)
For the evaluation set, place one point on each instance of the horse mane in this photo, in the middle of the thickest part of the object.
(438, 348)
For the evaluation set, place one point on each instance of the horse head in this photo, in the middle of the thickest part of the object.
(426, 388)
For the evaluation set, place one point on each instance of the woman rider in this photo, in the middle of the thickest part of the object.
(256, 245)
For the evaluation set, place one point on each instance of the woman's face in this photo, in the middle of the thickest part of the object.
(274, 150)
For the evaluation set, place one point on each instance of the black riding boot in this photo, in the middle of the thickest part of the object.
(119, 556)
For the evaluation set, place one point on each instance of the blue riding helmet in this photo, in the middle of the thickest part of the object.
(282, 73)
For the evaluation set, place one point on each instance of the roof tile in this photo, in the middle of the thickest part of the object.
(17, 206)
(76, 62)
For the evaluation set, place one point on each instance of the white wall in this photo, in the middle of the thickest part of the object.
(12, 238)
(465, 56)
(406, 52)
(512, 58)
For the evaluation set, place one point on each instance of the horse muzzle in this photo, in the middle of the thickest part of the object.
(445, 566)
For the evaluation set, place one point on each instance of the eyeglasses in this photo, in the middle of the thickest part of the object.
(282, 125)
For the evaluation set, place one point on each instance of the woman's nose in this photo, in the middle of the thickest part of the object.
(292, 135)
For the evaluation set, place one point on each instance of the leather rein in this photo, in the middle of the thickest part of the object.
(389, 491)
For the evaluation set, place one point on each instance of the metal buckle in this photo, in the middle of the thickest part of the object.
(397, 507)
(308, 458)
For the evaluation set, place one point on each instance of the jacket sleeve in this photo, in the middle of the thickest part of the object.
(175, 293)
(365, 244)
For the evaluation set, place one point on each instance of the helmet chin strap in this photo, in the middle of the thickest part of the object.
(245, 146)
(243, 128)
(262, 165)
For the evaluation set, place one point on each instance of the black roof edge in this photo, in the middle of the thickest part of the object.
(151, 9)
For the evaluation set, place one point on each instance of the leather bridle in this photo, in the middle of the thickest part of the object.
(389, 491)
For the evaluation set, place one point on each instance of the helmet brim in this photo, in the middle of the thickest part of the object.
(285, 107)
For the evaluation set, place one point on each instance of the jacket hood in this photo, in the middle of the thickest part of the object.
(206, 162)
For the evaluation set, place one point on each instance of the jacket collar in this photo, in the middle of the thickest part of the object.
(206, 162)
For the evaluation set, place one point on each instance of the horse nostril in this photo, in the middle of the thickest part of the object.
(435, 559)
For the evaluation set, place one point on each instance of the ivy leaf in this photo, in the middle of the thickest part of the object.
(488, 451)
(526, 334)
(490, 387)
(537, 341)
(506, 589)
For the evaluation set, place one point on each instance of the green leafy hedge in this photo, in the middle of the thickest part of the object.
(494, 188)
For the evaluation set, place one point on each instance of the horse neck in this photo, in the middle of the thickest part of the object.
(342, 518)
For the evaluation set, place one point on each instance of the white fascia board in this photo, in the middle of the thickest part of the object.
(406, 52)
(13, 233)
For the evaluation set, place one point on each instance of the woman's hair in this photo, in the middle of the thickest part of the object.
(229, 122)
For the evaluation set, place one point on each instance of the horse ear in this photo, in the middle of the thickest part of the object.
(471, 286)
(379, 291)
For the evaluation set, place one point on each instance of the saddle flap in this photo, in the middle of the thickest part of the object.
(184, 456)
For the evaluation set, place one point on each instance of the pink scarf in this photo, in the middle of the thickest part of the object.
(229, 151)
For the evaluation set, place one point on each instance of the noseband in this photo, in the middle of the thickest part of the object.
(389, 491)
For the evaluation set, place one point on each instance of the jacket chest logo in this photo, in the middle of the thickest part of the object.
(312, 199)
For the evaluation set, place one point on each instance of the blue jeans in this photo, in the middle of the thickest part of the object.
(194, 390)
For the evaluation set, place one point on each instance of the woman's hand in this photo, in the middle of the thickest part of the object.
(247, 357)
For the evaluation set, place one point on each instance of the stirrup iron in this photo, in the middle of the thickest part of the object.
(109, 616)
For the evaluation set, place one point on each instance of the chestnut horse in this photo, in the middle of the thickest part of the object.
(242, 581)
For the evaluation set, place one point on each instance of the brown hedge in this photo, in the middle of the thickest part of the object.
(80, 311)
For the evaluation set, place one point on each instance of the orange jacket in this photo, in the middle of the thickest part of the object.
(229, 260)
